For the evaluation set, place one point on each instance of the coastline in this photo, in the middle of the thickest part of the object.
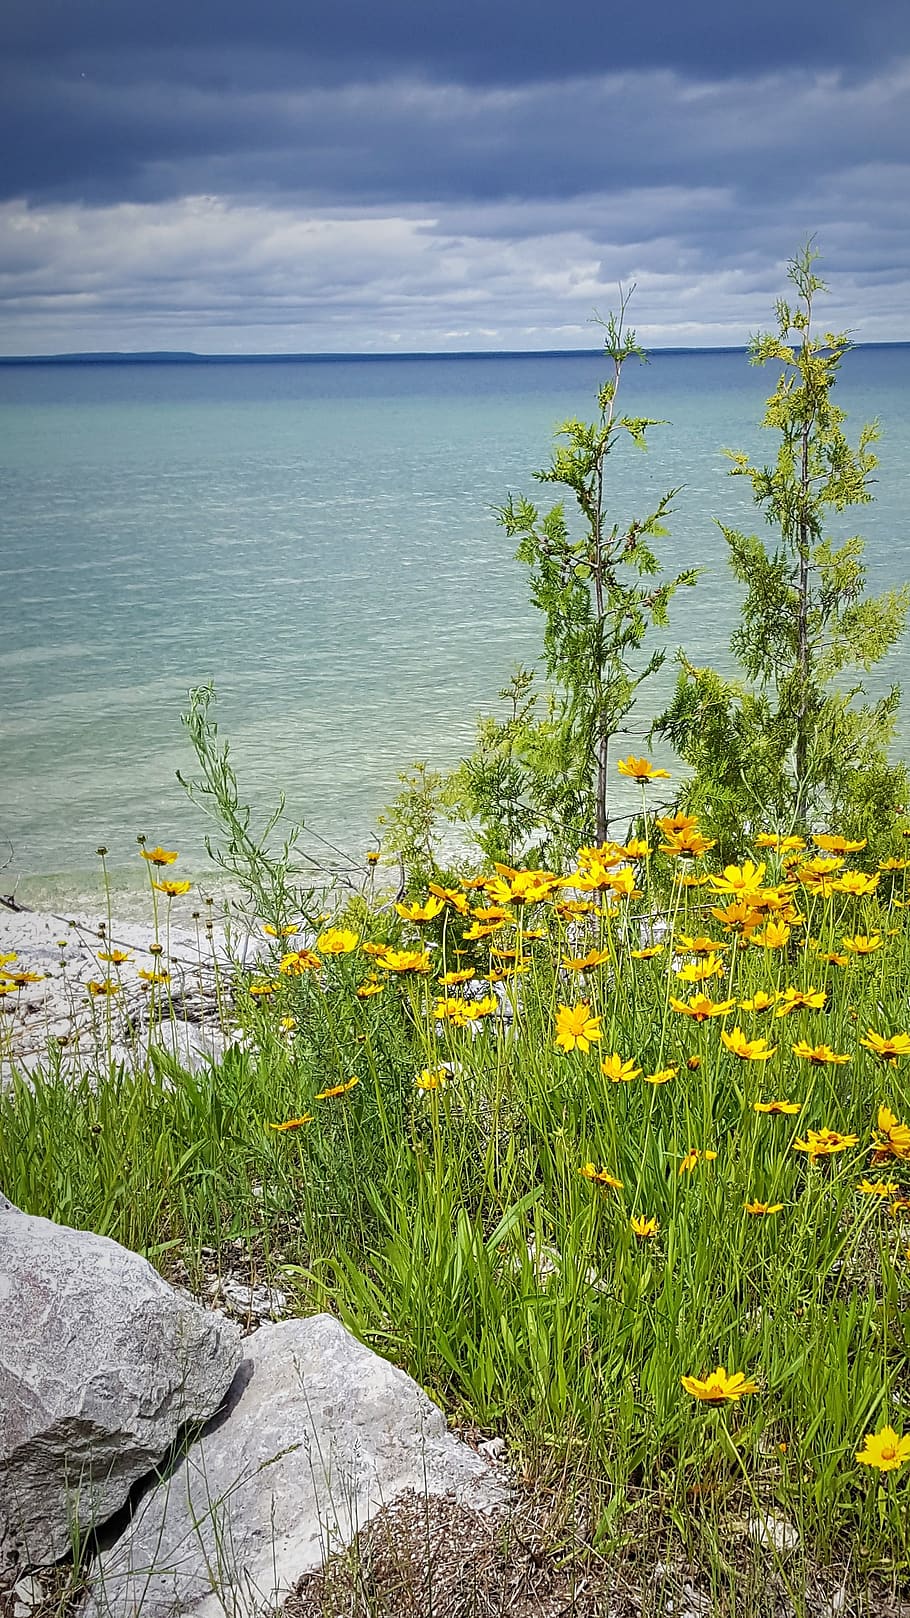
(52, 1009)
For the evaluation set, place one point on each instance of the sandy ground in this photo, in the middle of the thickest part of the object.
(58, 956)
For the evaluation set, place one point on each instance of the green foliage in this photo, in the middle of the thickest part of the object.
(265, 876)
(412, 823)
(458, 1230)
(541, 773)
(793, 743)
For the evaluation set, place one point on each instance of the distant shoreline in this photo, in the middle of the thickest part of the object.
(180, 357)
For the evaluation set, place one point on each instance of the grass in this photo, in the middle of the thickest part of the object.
(466, 1206)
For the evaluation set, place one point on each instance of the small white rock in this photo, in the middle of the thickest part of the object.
(774, 1532)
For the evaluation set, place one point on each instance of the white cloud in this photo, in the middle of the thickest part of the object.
(715, 186)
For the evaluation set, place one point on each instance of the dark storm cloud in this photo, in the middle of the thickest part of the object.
(477, 41)
(244, 176)
(102, 99)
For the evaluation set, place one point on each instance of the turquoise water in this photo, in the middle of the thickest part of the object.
(319, 539)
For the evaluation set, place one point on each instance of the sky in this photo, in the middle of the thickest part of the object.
(365, 176)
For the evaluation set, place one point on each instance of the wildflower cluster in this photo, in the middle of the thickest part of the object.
(692, 1022)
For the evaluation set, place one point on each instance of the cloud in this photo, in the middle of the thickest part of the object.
(237, 276)
(252, 179)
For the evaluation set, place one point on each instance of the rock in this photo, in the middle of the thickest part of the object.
(319, 1433)
(774, 1532)
(249, 1302)
(101, 1365)
(27, 1594)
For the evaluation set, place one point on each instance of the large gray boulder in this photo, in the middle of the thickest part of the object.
(101, 1365)
(318, 1434)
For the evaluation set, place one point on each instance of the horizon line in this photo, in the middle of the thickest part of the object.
(164, 356)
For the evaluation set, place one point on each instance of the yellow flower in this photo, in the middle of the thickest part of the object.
(700, 1008)
(159, 856)
(116, 957)
(372, 856)
(892, 1139)
(432, 1078)
(785, 1107)
(298, 961)
(105, 987)
(678, 822)
(288, 1024)
(740, 916)
(576, 1028)
(450, 896)
(581, 963)
(154, 977)
(636, 849)
(618, 1071)
(856, 883)
(453, 1009)
(261, 990)
(775, 936)
(686, 844)
(608, 853)
(748, 1050)
(337, 941)
(464, 975)
(174, 890)
(694, 1156)
(568, 909)
(483, 929)
(600, 1176)
(819, 868)
(783, 845)
(459, 1011)
(760, 1001)
(699, 971)
(832, 844)
(893, 864)
(281, 932)
(368, 988)
(424, 912)
(819, 1055)
(878, 1188)
(405, 960)
(292, 1123)
(719, 1388)
(862, 943)
(638, 769)
(739, 880)
(885, 1450)
(699, 945)
(763, 1207)
(824, 1143)
(642, 1227)
(485, 1007)
(594, 876)
(11, 956)
(489, 913)
(648, 953)
(791, 999)
(337, 1090)
(832, 957)
(662, 1076)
